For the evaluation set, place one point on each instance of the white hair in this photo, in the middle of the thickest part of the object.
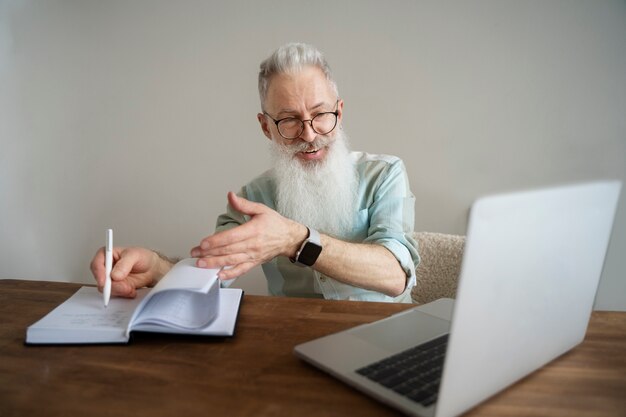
(290, 58)
(321, 194)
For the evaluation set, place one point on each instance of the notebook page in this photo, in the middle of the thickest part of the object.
(82, 318)
(223, 325)
(180, 309)
(167, 305)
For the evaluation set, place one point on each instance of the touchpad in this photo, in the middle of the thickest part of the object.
(402, 331)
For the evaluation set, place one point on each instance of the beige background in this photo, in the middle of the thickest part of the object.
(140, 115)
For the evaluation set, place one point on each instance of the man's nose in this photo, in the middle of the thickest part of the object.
(308, 134)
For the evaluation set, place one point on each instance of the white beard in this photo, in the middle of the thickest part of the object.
(319, 194)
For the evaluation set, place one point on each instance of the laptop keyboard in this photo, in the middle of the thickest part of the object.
(414, 373)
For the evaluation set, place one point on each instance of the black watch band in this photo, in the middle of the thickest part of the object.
(309, 250)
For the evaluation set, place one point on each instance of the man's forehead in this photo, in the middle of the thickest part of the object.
(292, 91)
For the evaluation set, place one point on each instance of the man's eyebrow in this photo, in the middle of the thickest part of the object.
(291, 112)
(318, 105)
(286, 112)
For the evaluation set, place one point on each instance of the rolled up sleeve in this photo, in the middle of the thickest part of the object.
(392, 218)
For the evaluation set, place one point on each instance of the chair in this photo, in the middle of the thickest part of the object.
(438, 271)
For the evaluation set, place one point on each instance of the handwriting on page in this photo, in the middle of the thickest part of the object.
(117, 319)
(86, 310)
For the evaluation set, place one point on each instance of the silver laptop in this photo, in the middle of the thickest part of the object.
(530, 271)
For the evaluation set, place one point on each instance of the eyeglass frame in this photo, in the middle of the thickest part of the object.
(310, 121)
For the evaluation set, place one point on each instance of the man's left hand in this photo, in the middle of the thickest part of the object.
(266, 235)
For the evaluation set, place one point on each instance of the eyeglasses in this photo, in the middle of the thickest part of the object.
(292, 127)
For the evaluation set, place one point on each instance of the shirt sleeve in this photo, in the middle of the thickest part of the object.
(392, 218)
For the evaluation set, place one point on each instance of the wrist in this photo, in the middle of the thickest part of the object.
(162, 265)
(309, 250)
(298, 234)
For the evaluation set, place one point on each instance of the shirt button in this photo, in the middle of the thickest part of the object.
(322, 278)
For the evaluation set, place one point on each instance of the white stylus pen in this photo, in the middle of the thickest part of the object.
(108, 265)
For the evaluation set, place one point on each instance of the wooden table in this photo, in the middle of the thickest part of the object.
(255, 373)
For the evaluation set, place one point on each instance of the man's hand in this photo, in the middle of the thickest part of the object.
(265, 236)
(132, 268)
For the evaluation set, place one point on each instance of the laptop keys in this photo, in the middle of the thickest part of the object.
(414, 373)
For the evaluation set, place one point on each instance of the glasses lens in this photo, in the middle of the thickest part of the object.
(290, 128)
(323, 123)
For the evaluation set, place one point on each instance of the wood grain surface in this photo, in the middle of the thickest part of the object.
(255, 373)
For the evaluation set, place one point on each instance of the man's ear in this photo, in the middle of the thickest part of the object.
(265, 127)
(339, 112)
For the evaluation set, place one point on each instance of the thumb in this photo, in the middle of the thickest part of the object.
(244, 206)
(123, 266)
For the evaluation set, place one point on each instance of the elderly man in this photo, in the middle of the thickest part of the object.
(323, 221)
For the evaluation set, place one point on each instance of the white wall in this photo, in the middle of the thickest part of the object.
(140, 115)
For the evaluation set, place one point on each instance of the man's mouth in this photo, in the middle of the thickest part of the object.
(313, 154)
(312, 151)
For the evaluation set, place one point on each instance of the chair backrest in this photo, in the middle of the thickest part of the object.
(440, 264)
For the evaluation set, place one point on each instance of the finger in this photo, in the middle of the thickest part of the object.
(235, 271)
(237, 247)
(125, 264)
(97, 268)
(228, 237)
(246, 206)
(216, 262)
(196, 252)
(123, 289)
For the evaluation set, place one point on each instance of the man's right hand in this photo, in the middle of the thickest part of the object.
(132, 268)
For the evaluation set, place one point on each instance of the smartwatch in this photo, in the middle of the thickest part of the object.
(310, 249)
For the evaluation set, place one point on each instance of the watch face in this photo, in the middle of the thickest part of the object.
(309, 253)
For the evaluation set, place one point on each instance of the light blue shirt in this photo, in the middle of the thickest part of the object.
(385, 217)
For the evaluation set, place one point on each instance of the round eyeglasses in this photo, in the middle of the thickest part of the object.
(292, 127)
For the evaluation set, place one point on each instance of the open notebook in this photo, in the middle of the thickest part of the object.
(187, 300)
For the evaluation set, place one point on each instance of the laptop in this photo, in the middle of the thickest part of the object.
(530, 271)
